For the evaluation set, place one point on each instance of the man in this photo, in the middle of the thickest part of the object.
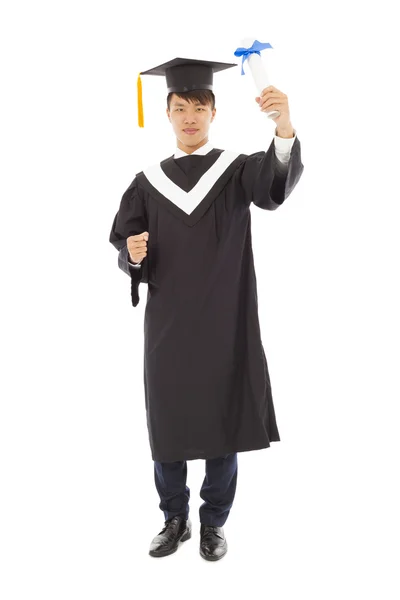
(184, 228)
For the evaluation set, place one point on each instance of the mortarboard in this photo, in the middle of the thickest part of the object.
(183, 75)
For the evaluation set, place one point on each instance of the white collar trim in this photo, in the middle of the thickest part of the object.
(188, 201)
(202, 151)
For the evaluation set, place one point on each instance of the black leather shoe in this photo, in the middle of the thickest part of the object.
(175, 531)
(213, 544)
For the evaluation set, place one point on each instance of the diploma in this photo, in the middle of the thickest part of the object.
(256, 66)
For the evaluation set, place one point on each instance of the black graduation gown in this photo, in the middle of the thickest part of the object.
(206, 379)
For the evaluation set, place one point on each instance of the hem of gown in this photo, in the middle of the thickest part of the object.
(217, 454)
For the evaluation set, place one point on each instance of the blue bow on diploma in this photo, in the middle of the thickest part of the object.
(254, 49)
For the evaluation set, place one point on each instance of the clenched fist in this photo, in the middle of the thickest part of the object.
(137, 246)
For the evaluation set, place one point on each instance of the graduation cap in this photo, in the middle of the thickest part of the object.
(183, 75)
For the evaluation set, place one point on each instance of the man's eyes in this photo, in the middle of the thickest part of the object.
(196, 109)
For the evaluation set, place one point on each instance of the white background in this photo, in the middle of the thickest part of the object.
(316, 515)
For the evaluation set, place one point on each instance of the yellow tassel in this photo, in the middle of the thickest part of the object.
(140, 102)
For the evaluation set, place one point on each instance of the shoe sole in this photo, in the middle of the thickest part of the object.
(186, 536)
(213, 557)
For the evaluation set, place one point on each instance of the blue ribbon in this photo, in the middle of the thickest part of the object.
(254, 49)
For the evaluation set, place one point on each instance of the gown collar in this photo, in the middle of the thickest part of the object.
(201, 151)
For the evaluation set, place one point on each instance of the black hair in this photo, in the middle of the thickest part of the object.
(202, 96)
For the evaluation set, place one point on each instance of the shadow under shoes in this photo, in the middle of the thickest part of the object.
(213, 544)
(175, 531)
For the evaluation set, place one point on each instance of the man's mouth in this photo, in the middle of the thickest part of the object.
(190, 131)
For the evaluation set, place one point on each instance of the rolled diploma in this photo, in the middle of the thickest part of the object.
(258, 72)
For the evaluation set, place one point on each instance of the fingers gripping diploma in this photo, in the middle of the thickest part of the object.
(137, 246)
(272, 99)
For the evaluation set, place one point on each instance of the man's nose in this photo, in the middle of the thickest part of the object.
(190, 118)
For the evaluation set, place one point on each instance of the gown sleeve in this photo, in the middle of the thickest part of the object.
(131, 219)
(265, 181)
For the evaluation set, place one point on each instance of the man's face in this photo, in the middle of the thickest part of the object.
(187, 117)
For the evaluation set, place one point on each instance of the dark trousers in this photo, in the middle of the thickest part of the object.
(217, 491)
